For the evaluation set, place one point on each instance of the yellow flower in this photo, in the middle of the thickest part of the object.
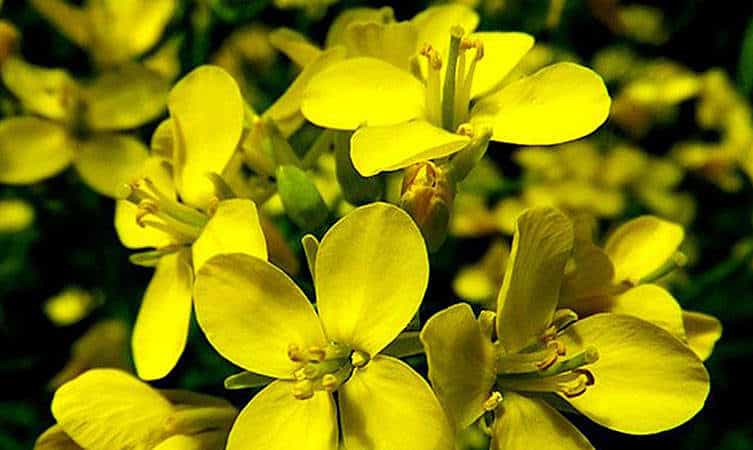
(70, 306)
(79, 124)
(106, 409)
(620, 279)
(370, 273)
(206, 121)
(112, 32)
(619, 371)
(15, 215)
(407, 116)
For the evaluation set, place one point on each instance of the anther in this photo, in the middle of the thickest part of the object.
(317, 354)
(465, 129)
(303, 390)
(295, 354)
(329, 382)
(359, 358)
(493, 402)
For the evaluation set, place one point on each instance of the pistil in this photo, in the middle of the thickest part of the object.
(321, 368)
(448, 90)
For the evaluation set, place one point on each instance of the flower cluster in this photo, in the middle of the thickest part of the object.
(371, 168)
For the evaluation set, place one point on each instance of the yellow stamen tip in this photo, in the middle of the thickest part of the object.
(303, 390)
(329, 382)
(359, 358)
(591, 355)
(494, 400)
(457, 31)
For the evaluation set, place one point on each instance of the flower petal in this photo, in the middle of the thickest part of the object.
(337, 30)
(523, 422)
(251, 311)
(371, 273)
(125, 98)
(651, 303)
(558, 103)
(107, 408)
(32, 149)
(386, 405)
(362, 91)
(206, 109)
(641, 246)
(161, 329)
(461, 363)
(275, 420)
(702, 332)
(530, 290)
(502, 52)
(234, 228)
(434, 24)
(107, 161)
(646, 380)
(69, 20)
(382, 148)
(51, 93)
(394, 42)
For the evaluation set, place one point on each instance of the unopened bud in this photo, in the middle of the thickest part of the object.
(427, 195)
(301, 199)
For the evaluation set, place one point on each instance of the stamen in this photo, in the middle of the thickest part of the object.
(359, 358)
(448, 90)
(464, 90)
(493, 402)
(322, 368)
(303, 390)
(563, 318)
(522, 363)
(486, 320)
(433, 93)
(465, 129)
(676, 261)
(569, 384)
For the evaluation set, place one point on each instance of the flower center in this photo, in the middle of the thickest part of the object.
(545, 366)
(448, 100)
(323, 368)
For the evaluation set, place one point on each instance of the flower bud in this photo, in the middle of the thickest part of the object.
(301, 199)
(427, 195)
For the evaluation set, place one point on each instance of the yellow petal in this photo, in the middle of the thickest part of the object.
(68, 19)
(161, 329)
(523, 422)
(591, 275)
(641, 246)
(295, 46)
(55, 438)
(376, 149)
(336, 32)
(530, 290)
(51, 93)
(646, 380)
(15, 215)
(461, 363)
(286, 108)
(107, 161)
(702, 332)
(105, 409)
(179, 442)
(386, 405)
(130, 233)
(125, 98)
(653, 304)
(275, 420)
(434, 24)
(502, 52)
(206, 109)
(127, 29)
(234, 228)
(371, 273)
(558, 103)
(251, 312)
(362, 91)
(32, 149)
(69, 306)
(394, 42)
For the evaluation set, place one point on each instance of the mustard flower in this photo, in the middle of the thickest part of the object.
(370, 273)
(422, 89)
(112, 32)
(619, 371)
(206, 122)
(69, 123)
(105, 409)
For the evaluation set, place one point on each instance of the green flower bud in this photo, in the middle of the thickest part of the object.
(427, 195)
(301, 199)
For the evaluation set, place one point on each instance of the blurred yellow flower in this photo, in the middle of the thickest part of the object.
(611, 368)
(370, 273)
(15, 215)
(70, 306)
(68, 123)
(113, 32)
